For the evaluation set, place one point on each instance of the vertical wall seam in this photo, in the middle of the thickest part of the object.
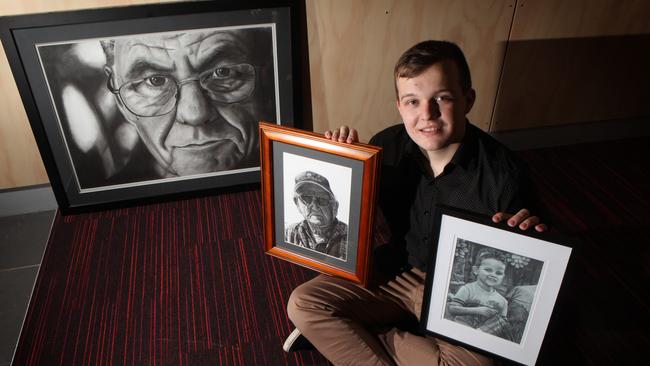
(503, 65)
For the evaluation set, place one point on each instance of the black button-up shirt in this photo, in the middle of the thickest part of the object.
(483, 177)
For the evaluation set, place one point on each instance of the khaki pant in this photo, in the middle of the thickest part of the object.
(352, 325)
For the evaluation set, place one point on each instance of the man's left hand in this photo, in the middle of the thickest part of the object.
(521, 219)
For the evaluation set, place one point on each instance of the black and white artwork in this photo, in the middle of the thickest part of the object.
(492, 290)
(317, 205)
(318, 200)
(490, 286)
(157, 107)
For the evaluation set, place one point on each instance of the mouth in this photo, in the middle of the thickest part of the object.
(431, 130)
(316, 215)
(201, 145)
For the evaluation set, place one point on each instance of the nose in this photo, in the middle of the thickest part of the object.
(430, 110)
(193, 108)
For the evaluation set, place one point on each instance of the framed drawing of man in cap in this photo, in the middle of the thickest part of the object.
(319, 198)
(320, 225)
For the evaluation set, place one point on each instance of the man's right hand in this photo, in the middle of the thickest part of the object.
(343, 134)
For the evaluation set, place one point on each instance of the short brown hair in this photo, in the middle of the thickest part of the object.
(420, 57)
(490, 254)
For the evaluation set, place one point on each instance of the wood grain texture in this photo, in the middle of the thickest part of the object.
(543, 19)
(353, 46)
(369, 156)
(575, 61)
(42, 6)
(567, 62)
(20, 161)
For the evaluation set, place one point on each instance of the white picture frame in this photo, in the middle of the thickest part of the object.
(471, 243)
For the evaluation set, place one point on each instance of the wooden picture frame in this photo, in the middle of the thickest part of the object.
(89, 91)
(491, 287)
(308, 182)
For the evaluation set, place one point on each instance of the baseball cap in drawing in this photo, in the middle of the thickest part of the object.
(316, 179)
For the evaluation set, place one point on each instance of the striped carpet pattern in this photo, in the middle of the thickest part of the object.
(188, 282)
(178, 283)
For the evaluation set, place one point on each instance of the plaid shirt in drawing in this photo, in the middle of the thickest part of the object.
(332, 242)
(472, 295)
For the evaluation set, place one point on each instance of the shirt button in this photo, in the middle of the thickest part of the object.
(426, 213)
(424, 240)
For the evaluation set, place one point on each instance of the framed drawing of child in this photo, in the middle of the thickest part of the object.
(490, 287)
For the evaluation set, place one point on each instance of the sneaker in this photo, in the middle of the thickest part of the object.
(296, 342)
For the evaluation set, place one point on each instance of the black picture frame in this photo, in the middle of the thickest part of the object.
(514, 275)
(96, 156)
(346, 175)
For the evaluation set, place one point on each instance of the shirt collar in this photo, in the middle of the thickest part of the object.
(467, 150)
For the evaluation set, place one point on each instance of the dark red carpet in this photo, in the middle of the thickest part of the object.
(188, 282)
(179, 283)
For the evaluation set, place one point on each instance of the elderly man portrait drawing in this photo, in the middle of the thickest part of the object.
(193, 97)
(320, 230)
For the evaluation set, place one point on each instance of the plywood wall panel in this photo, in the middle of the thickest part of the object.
(353, 45)
(8, 7)
(563, 62)
(552, 19)
(575, 61)
(20, 161)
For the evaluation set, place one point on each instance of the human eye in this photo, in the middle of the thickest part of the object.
(499, 273)
(308, 199)
(444, 99)
(411, 102)
(229, 83)
(156, 81)
(223, 72)
(150, 95)
(323, 201)
(228, 76)
(150, 86)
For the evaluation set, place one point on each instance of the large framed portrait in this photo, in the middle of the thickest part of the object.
(491, 287)
(319, 198)
(140, 102)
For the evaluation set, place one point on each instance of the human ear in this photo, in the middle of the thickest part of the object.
(110, 78)
(470, 98)
(108, 71)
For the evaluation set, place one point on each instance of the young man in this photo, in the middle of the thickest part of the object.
(434, 157)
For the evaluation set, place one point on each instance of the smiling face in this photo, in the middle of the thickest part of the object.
(490, 273)
(316, 205)
(433, 106)
(199, 87)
